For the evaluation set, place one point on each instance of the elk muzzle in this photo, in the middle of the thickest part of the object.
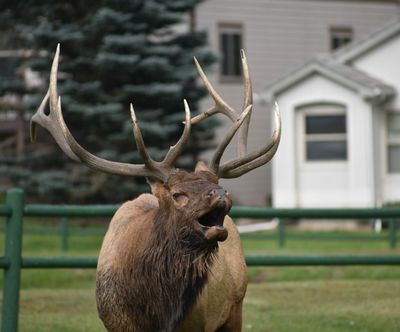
(212, 222)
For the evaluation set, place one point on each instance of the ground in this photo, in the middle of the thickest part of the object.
(279, 299)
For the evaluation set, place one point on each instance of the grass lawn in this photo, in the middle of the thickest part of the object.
(328, 306)
(279, 299)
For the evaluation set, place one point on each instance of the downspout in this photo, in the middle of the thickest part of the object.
(377, 102)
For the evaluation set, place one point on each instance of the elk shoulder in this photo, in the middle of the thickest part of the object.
(129, 229)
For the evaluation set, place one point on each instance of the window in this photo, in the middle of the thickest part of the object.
(393, 139)
(230, 42)
(340, 36)
(324, 132)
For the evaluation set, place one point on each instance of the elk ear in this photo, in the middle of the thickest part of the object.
(201, 167)
(202, 170)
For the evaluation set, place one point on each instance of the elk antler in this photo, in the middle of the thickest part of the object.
(244, 162)
(55, 124)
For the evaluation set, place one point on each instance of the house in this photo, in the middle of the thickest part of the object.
(341, 112)
(278, 35)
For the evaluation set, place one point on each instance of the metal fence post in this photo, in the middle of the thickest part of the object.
(64, 234)
(281, 233)
(13, 249)
(392, 233)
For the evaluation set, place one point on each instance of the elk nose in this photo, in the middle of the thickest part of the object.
(218, 193)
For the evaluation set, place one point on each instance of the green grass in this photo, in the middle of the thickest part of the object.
(315, 245)
(59, 310)
(332, 306)
(329, 306)
(279, 299)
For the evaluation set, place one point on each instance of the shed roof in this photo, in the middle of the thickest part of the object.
(328, 67)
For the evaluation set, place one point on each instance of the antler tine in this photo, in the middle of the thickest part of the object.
(167, 164)
(220, 105)
(55, 124)
(38, 117)
(50, 122)
(248, 100)
(222, 146)
(244, 161)
(177, 149)
(240, 166)
(140, 143)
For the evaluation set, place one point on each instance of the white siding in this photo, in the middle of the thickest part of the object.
(324, 184)
(382, 63)
(279, 34)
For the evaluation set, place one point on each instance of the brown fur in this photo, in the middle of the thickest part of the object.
(156, 272)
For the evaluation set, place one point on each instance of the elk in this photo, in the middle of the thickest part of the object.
(171, 260)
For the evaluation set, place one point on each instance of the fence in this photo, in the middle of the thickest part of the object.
(281, 234)
(15, 210)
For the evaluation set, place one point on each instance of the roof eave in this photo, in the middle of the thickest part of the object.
(365, 92)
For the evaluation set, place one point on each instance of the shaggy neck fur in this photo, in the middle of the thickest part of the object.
(164, 281)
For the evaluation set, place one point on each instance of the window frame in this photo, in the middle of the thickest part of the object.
(341, 33)
(390, 141)
(233, 55)
(321, 109)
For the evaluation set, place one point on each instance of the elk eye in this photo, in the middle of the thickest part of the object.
(180, 197)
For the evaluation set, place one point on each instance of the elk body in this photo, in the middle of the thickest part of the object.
(171, 261)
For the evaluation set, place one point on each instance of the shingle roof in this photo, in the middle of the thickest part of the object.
(357, 76)
(327, 66)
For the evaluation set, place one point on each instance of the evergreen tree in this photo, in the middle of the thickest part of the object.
(113, 52)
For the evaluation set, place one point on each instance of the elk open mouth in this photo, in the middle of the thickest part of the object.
(215, 217)
(212, 224)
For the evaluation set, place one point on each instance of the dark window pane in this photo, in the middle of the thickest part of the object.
(339, 42)
(326, 150)
(326, 124)
(225, 53)
(237, 45)
(340, 36)
(346, 40)
(230, 44)
(393, 123)
(335, 43)
(394, 159)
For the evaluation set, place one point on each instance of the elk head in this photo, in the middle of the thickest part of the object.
(157, 253)
(197, 203)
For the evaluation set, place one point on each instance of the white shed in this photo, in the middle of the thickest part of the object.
(341, 114)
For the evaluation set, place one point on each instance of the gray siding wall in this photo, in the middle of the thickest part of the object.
(277, 36)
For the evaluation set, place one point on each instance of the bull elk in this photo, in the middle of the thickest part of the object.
(171, 260)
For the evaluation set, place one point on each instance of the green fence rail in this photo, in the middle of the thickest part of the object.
(63, 230)
(15, 210)
(281, 235)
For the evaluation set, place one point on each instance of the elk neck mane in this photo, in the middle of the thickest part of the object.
(169, 274)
